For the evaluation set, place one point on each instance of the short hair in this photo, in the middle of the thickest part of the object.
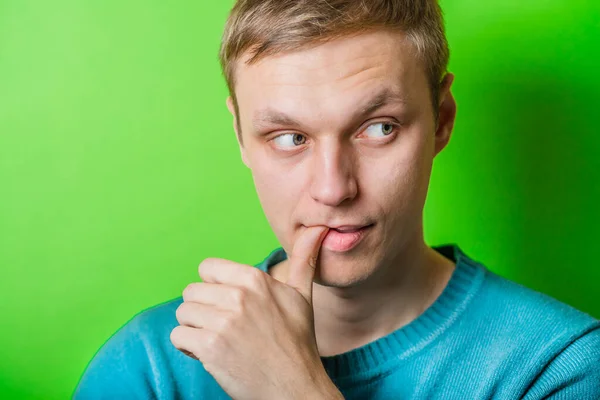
(267, 27)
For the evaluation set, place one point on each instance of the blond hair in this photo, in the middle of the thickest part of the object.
(266, 27)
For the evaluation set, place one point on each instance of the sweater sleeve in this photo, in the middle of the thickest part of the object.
(573, 374)
(118, 370)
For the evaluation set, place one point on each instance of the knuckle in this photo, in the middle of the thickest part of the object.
(226, 325)
(188, 291)
(213, 343)
(257, 278)
(239, 298)
(312, 262)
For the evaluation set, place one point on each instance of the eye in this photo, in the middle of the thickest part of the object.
(290, 140)
(380, 129)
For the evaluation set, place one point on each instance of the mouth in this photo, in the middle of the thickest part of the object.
(347, 228)
(344, 238)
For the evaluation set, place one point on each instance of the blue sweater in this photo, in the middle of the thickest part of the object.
(485, 337)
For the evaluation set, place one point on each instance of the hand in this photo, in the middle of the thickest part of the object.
(254, 334)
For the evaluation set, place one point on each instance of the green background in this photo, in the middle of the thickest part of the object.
(119, 169)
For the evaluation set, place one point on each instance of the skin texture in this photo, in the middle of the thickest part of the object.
(332, 165)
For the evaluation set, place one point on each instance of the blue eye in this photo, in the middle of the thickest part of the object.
(290, 140)
(380, 129)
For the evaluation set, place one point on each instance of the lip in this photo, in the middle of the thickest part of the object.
(348, 228)
(341, 242)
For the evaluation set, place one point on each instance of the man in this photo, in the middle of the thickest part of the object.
(340, 107)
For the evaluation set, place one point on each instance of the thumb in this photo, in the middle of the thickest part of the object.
(303, 261)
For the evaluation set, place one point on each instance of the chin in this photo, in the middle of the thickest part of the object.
(341, 271)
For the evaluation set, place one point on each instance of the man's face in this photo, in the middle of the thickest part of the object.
(342, 135)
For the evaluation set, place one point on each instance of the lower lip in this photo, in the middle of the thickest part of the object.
(340, 242)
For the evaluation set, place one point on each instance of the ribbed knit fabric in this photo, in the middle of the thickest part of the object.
(484, 337)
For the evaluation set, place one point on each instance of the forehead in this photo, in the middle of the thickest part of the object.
(331, 76)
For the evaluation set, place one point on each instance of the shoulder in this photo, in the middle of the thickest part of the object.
(537, 346)
(506, 304)
(522, 310)
(146, 331)
(154, 320)
(133, 355)
(572, 372)
(554, 347)
(149, 326)
(507, 308)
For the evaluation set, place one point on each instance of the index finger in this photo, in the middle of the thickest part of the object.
(303, 261)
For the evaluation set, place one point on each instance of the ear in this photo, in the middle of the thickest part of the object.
(231, 108)
(447, 114)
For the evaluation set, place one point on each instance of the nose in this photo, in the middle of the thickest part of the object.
(333, 180)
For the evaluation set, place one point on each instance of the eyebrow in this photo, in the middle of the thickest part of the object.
(382, 98)
(269, 116)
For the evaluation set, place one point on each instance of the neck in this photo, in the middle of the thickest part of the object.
(347, 318)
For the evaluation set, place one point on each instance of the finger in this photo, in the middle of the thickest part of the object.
(218, 270)
(188, 340)
(225, 297)
(196, 315)
(303, 261)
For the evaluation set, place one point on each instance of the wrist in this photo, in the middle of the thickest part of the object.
(313, 384)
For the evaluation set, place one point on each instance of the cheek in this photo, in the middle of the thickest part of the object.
(272, 189)
(278, 191)
(393, 191)
(397, 182)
